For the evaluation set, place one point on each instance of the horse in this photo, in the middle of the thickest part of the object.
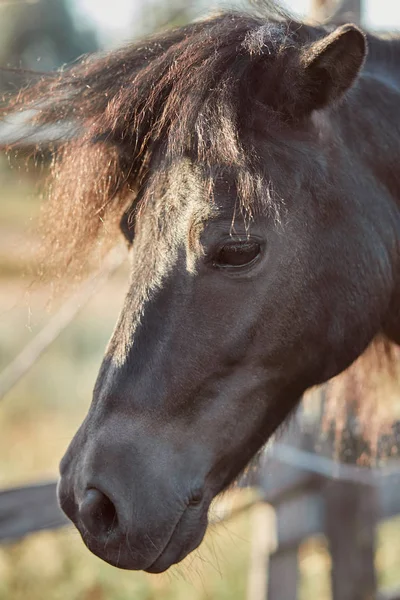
(252, 162)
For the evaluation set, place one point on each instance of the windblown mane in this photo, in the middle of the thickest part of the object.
(183, 92)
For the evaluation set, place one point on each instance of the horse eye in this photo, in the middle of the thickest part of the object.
(236, 254)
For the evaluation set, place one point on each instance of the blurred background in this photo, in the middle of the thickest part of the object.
(41, 412)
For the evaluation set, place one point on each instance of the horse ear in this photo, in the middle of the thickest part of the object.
(331, 65)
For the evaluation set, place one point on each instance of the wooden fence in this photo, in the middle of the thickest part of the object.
(306, 503)
(346, 513)
(29, 509)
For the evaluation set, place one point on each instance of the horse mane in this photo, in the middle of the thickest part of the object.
(365, 398)
(182, 92)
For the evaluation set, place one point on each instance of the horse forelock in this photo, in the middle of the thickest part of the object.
(184, 92)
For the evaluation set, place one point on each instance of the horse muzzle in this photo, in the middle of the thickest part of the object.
(138, 511)
(129, 538)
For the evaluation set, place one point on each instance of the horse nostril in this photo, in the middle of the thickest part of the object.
(97, 513)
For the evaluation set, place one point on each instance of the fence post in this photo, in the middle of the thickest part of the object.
(283, 574)
(263, 543)
(351, 517)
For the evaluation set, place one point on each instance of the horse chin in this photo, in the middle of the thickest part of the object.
(181, 543)
(117, 556)
(185, 538)
(168, 557)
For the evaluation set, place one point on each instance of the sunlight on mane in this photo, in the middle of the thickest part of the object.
(368, 391)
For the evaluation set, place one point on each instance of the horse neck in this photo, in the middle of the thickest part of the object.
(370, 128)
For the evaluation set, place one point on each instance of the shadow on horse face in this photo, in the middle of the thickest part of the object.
(230, 317)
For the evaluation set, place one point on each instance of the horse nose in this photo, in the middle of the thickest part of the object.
(97, 513)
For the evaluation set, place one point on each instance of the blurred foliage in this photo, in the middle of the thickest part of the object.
(40, 36)
(162, 15)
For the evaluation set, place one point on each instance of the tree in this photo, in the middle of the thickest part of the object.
(340, 11)
(40, 36)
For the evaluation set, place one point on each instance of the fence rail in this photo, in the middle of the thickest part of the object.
(346, 508)
(29, 509)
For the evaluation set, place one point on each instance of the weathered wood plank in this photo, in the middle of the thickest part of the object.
(351, 517)
(28, 509)
(298, 518)
(263, 544)
(279, 481)
(283, 575)
(389, 497)
(300, 504)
